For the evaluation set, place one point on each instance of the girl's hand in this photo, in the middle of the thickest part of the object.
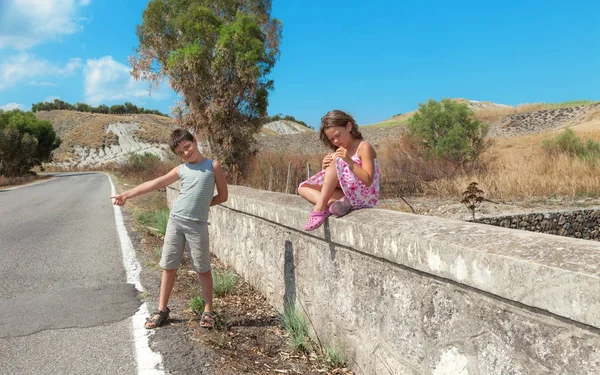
(343, 153)
(327, 160)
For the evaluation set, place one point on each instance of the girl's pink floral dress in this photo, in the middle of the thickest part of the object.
(359, 194)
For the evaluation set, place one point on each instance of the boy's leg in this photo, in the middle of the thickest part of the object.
(170, 260)
(166, 287)
(206, 283)
(198, 241)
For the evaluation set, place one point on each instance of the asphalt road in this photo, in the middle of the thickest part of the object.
(65, 306)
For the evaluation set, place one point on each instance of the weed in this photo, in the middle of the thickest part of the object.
(336, 355)
(297, 327)
(196, 304)
(157, 252)
(224, 282)
(472, 198)
(156, 220)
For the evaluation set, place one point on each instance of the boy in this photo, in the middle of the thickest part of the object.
(188, 221)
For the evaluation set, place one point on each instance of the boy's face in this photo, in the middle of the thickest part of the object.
(188, 151)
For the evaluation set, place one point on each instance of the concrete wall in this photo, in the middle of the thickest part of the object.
(577, 224)
(411, 294)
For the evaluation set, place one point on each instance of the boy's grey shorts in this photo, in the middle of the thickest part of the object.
(180, 230)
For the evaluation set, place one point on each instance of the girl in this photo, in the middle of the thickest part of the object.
(350, 175)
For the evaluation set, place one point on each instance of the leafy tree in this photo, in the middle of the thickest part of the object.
(217, 54)
(83, 107)
(448, 130)
(117, 109)
(25, 142)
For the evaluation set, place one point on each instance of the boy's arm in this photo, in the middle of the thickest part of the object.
(146, 187)
(221, 185)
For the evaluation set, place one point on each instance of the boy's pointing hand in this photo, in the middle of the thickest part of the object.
(119, 199)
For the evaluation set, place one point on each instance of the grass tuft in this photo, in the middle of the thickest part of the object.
(196, 304)
(297, 327)
(156, 220)
(224, 282)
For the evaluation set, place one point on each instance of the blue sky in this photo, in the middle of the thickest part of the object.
(373, 59)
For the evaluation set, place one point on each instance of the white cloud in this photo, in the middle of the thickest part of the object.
(24, 66)
(11, 106)
(42, 83)
(108, 80)
(25, 23)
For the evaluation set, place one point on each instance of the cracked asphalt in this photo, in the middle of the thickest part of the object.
(65, 306)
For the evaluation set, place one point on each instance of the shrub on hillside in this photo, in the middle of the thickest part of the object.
(405, 171)
(25, 142)
(448, 130)
(570, 144)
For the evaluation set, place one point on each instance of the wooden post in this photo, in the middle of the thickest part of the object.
(289, 178)
(307, 170)
(271, 179)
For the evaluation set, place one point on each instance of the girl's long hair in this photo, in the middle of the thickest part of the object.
(337, 118)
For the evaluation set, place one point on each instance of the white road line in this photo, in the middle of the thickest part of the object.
(148, 361)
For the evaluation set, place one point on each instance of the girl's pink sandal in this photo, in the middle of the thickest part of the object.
(340, 207)
(316, 219)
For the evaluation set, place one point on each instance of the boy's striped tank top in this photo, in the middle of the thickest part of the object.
(196, 192)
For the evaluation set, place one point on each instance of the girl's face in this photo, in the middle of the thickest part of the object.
(339, 136)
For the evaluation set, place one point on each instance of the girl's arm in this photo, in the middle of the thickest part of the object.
(221, 185)
(367, 156)
(146, 187)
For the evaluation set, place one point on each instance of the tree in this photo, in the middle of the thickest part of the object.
(448, 130)
(25, 142)
(217, 55)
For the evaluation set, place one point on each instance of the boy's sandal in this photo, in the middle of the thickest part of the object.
(316, 219)
(340, 207)
(207, 320)
(157, 319)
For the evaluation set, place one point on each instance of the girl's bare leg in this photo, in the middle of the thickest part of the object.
(312, 193)
(330, 183)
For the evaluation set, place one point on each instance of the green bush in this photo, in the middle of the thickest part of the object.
(25, 142)
(448, 130)
(570, 144)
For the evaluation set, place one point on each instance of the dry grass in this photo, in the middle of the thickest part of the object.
(522, 169)
(511, 168)
(269, 170)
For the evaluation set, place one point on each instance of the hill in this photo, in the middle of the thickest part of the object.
(504, 121)
(91, 139)
(536, 117)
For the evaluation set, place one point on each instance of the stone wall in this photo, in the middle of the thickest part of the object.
(577, 224)
(412, 294)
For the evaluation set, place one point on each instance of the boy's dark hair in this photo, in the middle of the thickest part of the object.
(337, 118)
(179, 135)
